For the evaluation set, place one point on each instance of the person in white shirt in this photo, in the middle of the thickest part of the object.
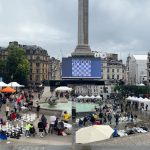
(51, 125)
(7, 110)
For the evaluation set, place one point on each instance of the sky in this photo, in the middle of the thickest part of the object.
(118, 26)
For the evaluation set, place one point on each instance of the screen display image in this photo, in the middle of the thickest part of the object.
(81, 67)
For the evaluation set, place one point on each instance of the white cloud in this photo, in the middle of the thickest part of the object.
(120, 25)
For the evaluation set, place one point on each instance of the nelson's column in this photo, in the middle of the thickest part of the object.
(83, 48)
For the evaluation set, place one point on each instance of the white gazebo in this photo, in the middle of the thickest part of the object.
(63, 89)
(60, 93)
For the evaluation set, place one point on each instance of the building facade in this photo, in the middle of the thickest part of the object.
(103, 90)
(113, 70)
(148, 69)
(39, 64)
(137, 69)
(38, 59)
(54, 69)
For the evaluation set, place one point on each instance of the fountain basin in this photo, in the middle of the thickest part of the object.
(80, 107)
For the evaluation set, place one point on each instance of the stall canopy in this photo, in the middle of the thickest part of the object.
(145, 101)
(98, 97)
(2, 84)
(8, 90)
(93, 133)
(86, 97)
(80, 97)
(92, 97)
(14, 84)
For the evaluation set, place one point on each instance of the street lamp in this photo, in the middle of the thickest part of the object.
(100, 102)
(73, 120)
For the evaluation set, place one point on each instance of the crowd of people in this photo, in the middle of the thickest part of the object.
(54, 125)
(12, 107)
(108, 114)
(13, 104)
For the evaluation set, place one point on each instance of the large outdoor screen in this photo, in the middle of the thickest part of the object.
(81, 67)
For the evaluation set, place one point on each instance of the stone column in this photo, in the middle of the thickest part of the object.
(83, 22)
(82, 48)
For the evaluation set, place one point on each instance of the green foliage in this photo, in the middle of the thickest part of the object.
(132, 89)
(2, 65)
(17, 64)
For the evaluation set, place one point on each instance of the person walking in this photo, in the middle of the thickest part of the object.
(44, 121)
(132, 117)
(146, 107)
(109, 118)
(92, 120)
(37, 110)
(51, 125)
(27, 127)
(117, 118)
(7, 110)
(1, 103)
(41, 127)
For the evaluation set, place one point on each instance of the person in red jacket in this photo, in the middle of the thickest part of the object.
(13, 115)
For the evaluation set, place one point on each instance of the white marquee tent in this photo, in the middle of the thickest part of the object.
(14, 84)
(140, 100)
(2, 84)
(80, 97)
(98, 97)
(89, 97)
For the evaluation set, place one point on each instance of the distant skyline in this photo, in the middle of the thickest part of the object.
(118, 26)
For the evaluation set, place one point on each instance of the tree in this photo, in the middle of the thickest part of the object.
(17, 64)
(3, 73)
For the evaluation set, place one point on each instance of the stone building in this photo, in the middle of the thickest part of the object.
(148, 69)
(113, 70)
(54, 69)
(137, 69)
(39, 63)
(38, 59)
(103, 90)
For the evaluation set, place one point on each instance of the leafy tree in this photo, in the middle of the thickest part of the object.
(3, 73)
(17, 64)
(132, 90)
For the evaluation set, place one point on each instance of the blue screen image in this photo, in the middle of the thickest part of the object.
(81, 67)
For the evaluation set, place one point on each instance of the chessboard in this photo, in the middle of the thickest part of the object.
(81, 67)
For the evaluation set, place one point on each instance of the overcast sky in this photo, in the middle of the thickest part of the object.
(120, 26)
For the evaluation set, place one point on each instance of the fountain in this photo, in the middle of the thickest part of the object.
(57, 104)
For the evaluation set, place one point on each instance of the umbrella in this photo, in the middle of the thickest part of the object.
(14, 84)
(8, 90)
(93, 133)
(2, 84)
(63, 88)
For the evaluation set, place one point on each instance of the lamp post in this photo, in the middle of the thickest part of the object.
(100, 103)
(73, 123)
